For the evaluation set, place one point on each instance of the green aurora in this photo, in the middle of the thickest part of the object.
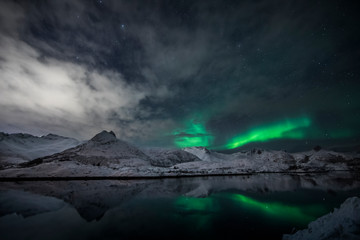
(288, 129)
(194, 134)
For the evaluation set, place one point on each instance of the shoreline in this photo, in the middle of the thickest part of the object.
(90, 178)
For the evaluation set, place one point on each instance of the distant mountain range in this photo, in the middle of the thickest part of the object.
(19, 147)
(24, 155)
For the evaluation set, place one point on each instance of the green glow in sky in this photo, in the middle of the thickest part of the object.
(290, 128)
(193, 135)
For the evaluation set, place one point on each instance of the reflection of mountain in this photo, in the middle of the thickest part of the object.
(27, 203)
(93, 198)
(90, 199)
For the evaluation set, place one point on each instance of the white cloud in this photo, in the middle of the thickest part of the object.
(41, 94)
(43, 89)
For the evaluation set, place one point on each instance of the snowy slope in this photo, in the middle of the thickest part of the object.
(256, 160)
(105, 144)
(326, 159)
(342, 223)
(26, 203)
(104, 149)
(75, 163)
(260, 160)
(169, 157)
(208, 155)
(105, 155)
(17, 148)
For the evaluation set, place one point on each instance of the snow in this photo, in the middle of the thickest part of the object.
(169, 157)
(18, 148)
(342, 223)
(207, 155)
(105, 155)
(102, 150)
(106, 145)
(104, 137)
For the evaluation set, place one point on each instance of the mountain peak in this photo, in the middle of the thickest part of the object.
(52, 136)
(104, 137)
(203, 149)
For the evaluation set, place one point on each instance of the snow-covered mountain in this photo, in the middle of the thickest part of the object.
(20, 147)
(106, 156)
(261, 160)
(207, 155)
(104, 149)
(169, 157)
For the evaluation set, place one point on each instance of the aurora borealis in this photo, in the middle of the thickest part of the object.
(225, 75)
(290, 128)
(194, 134)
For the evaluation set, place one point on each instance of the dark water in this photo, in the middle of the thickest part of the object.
(243, 207)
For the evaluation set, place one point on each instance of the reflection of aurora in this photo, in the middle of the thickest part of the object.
(201, 210)
(192, 204)
(301, 214)
(197, 211)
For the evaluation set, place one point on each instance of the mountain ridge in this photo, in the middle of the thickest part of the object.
(105, 155)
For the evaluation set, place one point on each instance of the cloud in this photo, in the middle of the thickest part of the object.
(143, 68)
(41, 94)
(46, 89)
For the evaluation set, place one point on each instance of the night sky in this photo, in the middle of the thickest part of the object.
(220, 74)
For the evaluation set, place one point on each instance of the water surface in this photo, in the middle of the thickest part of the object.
(237, 207)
